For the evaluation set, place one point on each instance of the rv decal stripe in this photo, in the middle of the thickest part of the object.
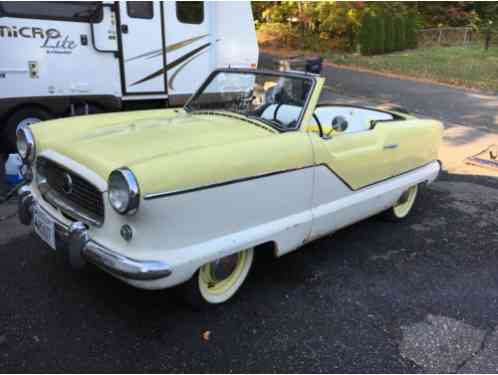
(171, 65)
(179, 45)
(180, 68)
(170, 48)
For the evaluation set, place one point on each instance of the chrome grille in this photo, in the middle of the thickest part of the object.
(80, 196)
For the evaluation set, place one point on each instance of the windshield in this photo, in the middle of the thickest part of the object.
(277, 100)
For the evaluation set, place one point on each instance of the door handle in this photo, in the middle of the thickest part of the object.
(124, 29)
(391, 146)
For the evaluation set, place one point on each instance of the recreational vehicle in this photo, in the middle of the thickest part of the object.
(70, 58)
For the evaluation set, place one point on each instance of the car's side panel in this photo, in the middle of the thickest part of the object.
(415, 142)
(359, 158)
(266, 217)
(191, 229)
(336, 206)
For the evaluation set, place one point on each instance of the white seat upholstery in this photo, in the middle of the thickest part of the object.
(286, 113)
(359, 119)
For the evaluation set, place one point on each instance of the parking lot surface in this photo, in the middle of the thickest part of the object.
(416, 296)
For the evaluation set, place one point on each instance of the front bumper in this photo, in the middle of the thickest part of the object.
(81, 248)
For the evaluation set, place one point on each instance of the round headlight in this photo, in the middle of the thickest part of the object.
(25, 143)
(124, 193)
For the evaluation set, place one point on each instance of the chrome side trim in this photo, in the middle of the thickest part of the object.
(262, 175)
(217, 184)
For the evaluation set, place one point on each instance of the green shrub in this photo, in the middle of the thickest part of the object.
(411, 32)
(379, 35)
(366, 34)
(399, 34)
(389, 43)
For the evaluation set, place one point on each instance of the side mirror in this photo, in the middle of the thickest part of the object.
(339, 124)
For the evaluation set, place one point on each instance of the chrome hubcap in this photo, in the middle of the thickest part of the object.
(27, 122)
(224, 267)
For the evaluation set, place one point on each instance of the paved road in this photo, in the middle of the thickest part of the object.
(379, 297)
(449, 104)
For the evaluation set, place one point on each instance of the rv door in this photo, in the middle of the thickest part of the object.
(142, 41)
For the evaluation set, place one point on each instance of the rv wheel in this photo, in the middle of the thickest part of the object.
(23, 117)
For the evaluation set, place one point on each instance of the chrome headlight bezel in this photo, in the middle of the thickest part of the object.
(25, 143)
(123, 191)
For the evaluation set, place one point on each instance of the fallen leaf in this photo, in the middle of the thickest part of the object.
(206, 335)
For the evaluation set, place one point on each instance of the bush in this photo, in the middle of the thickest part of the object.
(379, 35)
(399, 34)
(366, 36)
(411, 32)
(389, 43)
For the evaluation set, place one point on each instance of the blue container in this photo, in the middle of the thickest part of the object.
(13, 170)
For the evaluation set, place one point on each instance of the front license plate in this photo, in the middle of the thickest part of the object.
(44, 227)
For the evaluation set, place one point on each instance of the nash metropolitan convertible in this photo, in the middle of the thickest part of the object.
(187, 196)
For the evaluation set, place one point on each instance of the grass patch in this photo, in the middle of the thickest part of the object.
(470, 66)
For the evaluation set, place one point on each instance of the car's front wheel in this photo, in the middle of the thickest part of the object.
(218, 281)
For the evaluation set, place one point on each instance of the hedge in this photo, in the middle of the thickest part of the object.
(411, 32)
(367, 34)
(399, 34)
(379, 35)
(389, 41)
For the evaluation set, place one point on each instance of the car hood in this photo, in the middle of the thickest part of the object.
(144, 140)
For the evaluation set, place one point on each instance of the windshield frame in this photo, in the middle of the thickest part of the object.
(267, 72)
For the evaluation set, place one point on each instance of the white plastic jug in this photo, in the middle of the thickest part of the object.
(13, 169)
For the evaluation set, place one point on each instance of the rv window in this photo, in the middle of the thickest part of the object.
(190, 11)
(85, 11)
(140, 9)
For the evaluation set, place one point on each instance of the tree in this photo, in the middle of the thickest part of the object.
(488, 20)
(411, 31)
(389, 43)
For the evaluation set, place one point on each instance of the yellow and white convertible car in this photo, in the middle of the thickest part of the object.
(187, 196)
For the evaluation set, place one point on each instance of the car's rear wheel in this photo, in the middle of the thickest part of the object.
(404, 205)
(218, 281)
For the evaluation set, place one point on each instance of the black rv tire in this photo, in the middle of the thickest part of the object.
(23, 115)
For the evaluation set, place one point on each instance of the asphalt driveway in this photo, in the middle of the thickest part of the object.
(416, 296)
(448, 104)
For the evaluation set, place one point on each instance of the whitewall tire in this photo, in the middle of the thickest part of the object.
(404, 205)
(218, 281)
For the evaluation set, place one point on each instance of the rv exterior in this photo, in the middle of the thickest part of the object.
(70, 58)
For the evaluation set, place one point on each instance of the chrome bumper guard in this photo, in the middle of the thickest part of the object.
(81, 248)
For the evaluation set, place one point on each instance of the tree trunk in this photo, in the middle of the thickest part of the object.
(487, 39)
